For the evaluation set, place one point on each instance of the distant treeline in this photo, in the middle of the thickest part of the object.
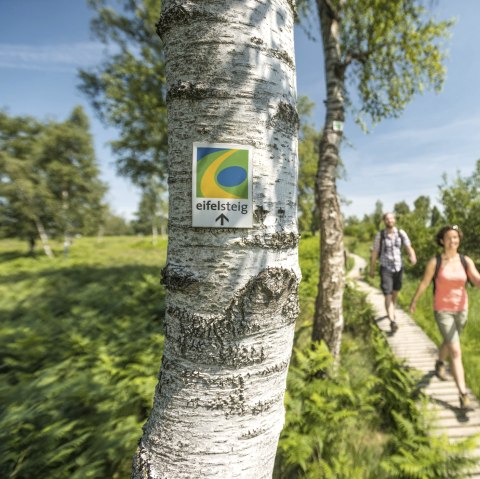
(459, 203)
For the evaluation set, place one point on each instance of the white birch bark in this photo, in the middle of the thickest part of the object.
(44, 238)
(328, 319)
(154, 233)
(231, 293)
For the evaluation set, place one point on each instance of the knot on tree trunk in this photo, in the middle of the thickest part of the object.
(283, 56)
(177, 278)
(194, 91)
(176, 15)
(271, 290)
(285, 118)
(278, 241)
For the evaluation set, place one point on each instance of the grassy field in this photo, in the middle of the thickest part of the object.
(81, 343)
(80, 349)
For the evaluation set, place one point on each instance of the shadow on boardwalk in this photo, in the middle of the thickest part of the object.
(418, 351)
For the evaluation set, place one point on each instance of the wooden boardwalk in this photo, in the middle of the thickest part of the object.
(418, 351)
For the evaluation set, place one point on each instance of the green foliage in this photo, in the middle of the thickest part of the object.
(128, 90)
(309, 264)
(390, 51)
(419, 456)
(81, 345)
(308, 152)
(461, 203)
(359, 231)
(361, 418)
(49, 177)
(395, 50)
(152, 214)
(114, 225)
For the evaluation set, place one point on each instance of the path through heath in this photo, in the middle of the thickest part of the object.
(418, 351)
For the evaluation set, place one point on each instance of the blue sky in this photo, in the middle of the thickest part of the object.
(44, 42)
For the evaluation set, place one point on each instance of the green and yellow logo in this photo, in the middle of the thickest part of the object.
(222, 173)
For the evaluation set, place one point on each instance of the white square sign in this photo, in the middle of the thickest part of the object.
(222, 186)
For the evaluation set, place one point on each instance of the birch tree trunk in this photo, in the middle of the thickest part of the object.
(231, 293)
(328, 319)
(43, 238)
(154, 233)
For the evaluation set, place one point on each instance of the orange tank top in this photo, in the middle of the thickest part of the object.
(450, 293)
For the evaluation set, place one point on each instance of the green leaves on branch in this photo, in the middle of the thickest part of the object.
(128, 89)
(395, 50)
(308, 151)
(461, 201)
(389, 51)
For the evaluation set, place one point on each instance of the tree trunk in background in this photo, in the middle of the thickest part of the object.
(232, 294)
(328, 319)
(154, 233)
(44, 238)
(31, 245)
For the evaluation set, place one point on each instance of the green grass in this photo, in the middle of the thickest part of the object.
(81, 343)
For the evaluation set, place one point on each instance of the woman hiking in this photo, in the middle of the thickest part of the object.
(450, 272)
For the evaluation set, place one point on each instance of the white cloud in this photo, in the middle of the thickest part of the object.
(61, 57)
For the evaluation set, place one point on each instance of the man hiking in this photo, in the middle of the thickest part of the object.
(387, 246)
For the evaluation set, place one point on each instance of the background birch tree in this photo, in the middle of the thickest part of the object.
(49, 178)
(386, 52)
(232, 294)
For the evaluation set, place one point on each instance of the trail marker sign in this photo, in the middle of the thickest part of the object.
(222, 186)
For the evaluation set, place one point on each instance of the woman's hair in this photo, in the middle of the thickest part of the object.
(445, 229)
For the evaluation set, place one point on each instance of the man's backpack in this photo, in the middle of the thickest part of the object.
(439, 263)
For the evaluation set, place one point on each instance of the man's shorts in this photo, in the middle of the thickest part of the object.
(390, 280)
(451, 324)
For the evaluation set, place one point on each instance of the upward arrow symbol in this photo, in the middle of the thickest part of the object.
(222, 219)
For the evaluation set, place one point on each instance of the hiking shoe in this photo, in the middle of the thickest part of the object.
(440, 370)
(464, 401)
(393, 326)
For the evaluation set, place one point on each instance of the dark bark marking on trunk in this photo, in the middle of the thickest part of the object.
(141, 467)
(177, 278)
(186, 90)
(292, 5)
(283, 56)
(270, 285)
(214, 352)
(276, 241)
(199, 326)
(235, 404)
(253, 433)
(275, 369)
(260, 214)
(213, 339)
(257, 41)
(286, 118)
(232, 404)
(176, 15)
(263, 406)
